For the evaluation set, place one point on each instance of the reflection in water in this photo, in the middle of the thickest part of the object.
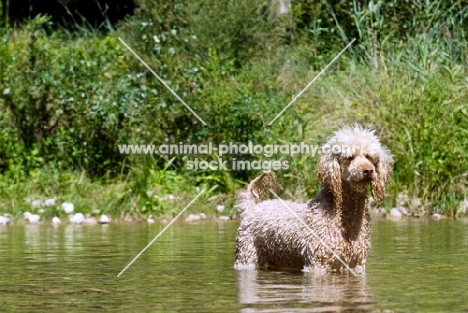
(262, 291)
(32, 237)
(414, 266)
(73, 238)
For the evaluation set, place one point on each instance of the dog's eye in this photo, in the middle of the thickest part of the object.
(350, 157)
(367, 156)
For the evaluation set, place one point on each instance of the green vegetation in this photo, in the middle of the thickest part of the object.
(68, 99)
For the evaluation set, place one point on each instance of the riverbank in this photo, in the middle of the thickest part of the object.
(85, 94)
(95, 219)
(74, 199)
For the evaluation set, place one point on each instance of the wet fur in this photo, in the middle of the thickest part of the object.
(270, 236)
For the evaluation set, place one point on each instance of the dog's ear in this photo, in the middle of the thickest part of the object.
(383, 169)
(329, 174)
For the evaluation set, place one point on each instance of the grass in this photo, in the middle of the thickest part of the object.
(83, 94)
(121, 199)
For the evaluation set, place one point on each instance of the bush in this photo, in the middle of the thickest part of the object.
(69, 99)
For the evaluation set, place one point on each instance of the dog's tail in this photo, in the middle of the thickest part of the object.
(257, 191)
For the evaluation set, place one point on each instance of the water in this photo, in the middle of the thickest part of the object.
(414, 265)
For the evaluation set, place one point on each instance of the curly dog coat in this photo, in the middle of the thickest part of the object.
(270, 236)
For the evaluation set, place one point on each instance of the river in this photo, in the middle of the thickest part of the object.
(415, 265)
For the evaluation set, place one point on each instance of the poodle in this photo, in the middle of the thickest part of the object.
(329, 232)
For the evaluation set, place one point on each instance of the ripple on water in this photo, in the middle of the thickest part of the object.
(414, 265)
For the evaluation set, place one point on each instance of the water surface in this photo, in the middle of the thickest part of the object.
(415, 265)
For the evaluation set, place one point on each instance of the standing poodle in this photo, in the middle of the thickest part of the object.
(329, 232)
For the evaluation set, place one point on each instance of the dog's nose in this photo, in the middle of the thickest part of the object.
(368, 171)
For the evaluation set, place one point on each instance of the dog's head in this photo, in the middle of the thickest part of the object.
(354, 156)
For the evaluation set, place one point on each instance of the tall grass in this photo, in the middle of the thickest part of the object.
(69, 99)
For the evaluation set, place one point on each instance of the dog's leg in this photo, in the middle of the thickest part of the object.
(246, 252)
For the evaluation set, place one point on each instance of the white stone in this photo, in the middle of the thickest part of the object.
(150, 221)
(436, 216)
(56, 220)
(395, 213)
(90, 221)
(402, 210)
(26, 215)
(284, 7)
(193, 217)
(104, 219)
(203, 216)
(77, 218)
(4, 220)
(68, 207)
(220, 208)
(34, 218)
(403, 199)
(49, 202)
(170, 197)
(416, 204)
(463, 206)
(36, 203)
(224, 218)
